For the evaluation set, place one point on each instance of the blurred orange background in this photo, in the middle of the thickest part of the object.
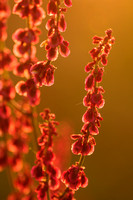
(110, 168)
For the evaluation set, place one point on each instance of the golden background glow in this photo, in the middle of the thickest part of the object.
(110, 168)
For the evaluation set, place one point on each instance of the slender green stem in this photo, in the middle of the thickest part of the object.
(10, 178)
(48, 193)
(35, 128)
(81, 160)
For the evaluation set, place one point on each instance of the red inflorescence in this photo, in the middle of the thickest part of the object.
(84, 145)
(43, 72)
(33, 10)
(24, 48)
(29, 89)
(44, 171)
(4, 14)
(15, 128)
(25, 39)
(75, 177)
(94, 98)
(7, 61)
(55, 25)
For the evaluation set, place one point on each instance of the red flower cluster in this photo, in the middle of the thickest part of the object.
(23, 181)
(16, 120)
(24, 186)
(30, 9)
(24, 48)
(7, 93)
(94, 99)
(7, 61)
(75, 177)
(55, 25)
(17, 142)
(29, 89)
(83, 145)
(14, 125)
(25, 39)
(15, 130)
(4, 14)
(44, 171)
(43, 72)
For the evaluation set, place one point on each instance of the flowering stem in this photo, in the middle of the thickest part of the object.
(81, 160)
(9, 177)
(48, 194)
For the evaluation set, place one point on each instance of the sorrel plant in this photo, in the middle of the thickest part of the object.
(19, 126)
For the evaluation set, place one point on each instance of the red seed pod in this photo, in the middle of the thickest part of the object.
(96, 98)
(42, 191)
(93, 129)
(37, 14)
(50, 23)
(99, 75)
(89, 66)
(53, 183)
(89, 116)
(77, 146)
(21, 88)
(107, 49)
(76, 136)
(97, 39)
(52, 8)
(86, 100)
(89, 82)
(84, 180)
(104, 59)
(63, 49)
(52, 54)
(54, 40)
(94, 52)
(87, 149)
(62, 23)
(37, 172)
(49, 157)
(85, 128)
(68, 3)
(22, 9)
